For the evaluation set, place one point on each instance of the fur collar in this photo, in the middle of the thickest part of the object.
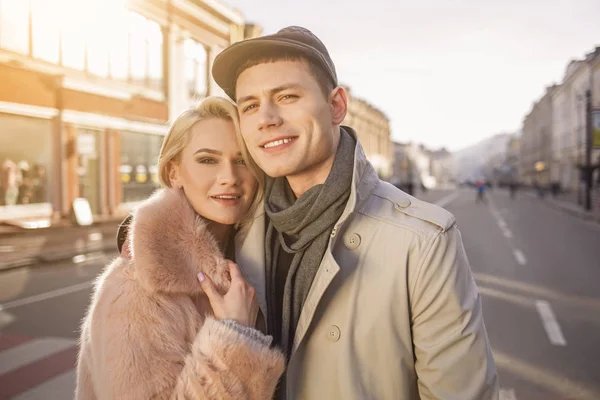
(171, 244)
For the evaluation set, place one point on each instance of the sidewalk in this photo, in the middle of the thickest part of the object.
(568, 203)
(19, 248)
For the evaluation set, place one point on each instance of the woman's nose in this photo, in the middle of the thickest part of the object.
(228, 174)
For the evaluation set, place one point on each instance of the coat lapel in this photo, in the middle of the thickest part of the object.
(250, 256)
(327, 271)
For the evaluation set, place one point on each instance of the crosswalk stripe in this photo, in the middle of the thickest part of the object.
(8, 341)
(507, 394)
(31, 375)
(60, 387)
(26, 353)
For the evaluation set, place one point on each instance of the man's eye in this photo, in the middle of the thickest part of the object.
(241, 161)
(250, 107)
(289, 96)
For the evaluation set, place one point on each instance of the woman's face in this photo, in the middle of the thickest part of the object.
(213, 174)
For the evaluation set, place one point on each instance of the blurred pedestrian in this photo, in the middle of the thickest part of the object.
(480, 187)
(366, 289)
(513, 189)
(172, 318)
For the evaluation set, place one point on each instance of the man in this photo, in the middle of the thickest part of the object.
(367, 289)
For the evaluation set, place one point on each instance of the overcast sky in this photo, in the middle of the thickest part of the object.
(447, 73)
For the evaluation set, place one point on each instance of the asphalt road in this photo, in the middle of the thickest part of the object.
(537, 269)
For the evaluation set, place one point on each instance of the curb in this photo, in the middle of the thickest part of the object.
(585, 215)
(55, 257)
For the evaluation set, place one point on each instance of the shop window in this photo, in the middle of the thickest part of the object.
(24, 160)
(14, 25)
(139, 157)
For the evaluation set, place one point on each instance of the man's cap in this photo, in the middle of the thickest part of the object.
(292, 38)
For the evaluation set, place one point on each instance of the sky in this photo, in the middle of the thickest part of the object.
(446, 73)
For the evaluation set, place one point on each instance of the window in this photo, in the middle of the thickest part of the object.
(129, 49)
(146, 57)
(196, 68)
(45, 31)
(139, 157)
(73, 46)
(14, 25)
(25, 157)
(155, 55)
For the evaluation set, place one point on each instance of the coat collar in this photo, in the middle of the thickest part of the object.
(171, 245)
(364, 179)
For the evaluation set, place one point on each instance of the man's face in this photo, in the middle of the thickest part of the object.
(286, 120)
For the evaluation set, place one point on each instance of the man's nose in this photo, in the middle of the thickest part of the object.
(269, 116)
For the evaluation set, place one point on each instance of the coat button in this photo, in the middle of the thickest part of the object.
(403, 203)
(352, 241)
(333, 334)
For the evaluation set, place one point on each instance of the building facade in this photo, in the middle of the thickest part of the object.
(83, 108)
(569, 119)
(536, 141)
(373, 129)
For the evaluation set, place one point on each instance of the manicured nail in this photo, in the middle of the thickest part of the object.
(201, 277)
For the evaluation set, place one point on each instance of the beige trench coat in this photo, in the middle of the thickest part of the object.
(394, 312)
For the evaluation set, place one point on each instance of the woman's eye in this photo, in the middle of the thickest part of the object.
(207, 161)
(241, 162)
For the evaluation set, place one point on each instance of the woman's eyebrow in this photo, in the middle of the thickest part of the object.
(211, 151)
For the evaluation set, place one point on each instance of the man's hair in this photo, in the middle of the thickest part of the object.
(322, 77)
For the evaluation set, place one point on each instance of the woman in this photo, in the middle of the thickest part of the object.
(173, 319)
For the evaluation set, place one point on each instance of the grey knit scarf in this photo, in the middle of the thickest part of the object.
(302, 227)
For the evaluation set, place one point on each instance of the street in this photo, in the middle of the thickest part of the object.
(538, 270)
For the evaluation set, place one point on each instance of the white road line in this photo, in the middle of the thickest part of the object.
(507, 234)
(501, 223)
(520, 257)
(507, 394)
(28, 352)
(550, 323)
(46, 296)
(444, 201)
(59, 387)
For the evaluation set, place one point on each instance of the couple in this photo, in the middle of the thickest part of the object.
(357, 289)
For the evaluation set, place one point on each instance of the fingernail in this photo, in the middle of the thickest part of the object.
(201, 277)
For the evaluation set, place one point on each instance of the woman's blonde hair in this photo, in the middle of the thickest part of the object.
(179, 134)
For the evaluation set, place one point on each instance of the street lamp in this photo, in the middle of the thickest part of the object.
(540, 166)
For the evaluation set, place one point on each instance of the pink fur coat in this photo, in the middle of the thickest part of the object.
(149, 334)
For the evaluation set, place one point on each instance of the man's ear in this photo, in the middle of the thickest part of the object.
(338, 102)
(174, 174)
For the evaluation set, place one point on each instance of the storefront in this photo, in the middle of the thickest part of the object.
(25, 166)
(138, 165)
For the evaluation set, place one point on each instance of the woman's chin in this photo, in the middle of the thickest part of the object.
(223, 218)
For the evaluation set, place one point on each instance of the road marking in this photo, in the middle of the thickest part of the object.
(520, 257)
(444, 201)
(7, 249)
(31, 351)
(94, 237)
(550, 380)
(78, 259)
(46, 295)
(499, 220)
(550, 323)
(59, 387)
(508, 394)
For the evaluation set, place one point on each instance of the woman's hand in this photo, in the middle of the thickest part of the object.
(238, 304)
